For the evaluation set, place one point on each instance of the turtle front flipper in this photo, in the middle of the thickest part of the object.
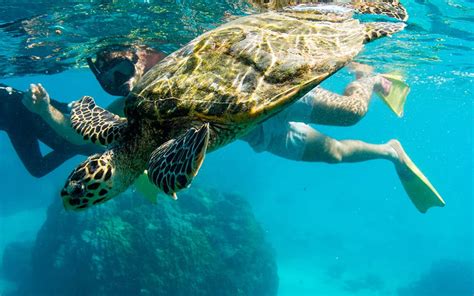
(96, 124)
(380, 7)
(377, 30)
(174, 164)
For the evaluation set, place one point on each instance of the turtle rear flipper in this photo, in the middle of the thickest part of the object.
(376, 30)
(390, 8)
(174, 164)
(96, 124)
(382, 7)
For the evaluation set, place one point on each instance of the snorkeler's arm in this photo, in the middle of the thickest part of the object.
(28, 150)
(62, 126)
(37, 100)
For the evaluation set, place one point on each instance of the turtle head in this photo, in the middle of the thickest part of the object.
(118, 68)
(89, 184)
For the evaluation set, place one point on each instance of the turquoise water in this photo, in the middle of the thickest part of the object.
(346, 229)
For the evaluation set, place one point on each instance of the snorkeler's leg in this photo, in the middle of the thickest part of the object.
(28, 150)
(421, 192)
(299, 141)
(321, 106)
(321, 148)
(307, 144)
(342, 110)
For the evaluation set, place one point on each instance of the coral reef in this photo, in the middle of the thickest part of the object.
(206, 243)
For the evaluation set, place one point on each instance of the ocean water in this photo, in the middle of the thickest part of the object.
(345, 229)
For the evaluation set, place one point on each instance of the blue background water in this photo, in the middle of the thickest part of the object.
(344, 229)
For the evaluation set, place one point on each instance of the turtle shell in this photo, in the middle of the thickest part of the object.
(248, 69)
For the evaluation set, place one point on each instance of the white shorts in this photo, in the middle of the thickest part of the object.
(281, 134)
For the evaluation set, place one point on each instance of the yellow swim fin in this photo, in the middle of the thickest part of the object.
(417, 186)
(398, 93)
(146, 188)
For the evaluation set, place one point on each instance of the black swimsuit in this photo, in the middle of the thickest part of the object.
(25, 129)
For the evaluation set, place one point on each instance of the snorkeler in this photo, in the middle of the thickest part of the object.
(47, 121)
(117, 68)
(26, 129)
(287, 134)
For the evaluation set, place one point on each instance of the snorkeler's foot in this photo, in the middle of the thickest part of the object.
(360, 70)
(417, 186)
(393, 91)
(383, 86)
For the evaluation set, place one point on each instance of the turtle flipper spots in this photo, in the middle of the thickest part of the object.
(174, 164)
(377, 30)
(96, 124)
(392, 9)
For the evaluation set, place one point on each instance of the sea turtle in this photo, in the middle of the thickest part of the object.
(211, 92)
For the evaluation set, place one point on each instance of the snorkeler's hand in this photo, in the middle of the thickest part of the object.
(36, 99)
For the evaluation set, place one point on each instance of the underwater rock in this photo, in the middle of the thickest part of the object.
(369, 282)
(16, 262)
(206, 243)
(445, 277)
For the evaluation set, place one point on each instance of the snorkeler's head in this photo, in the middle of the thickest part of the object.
(119, 67)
